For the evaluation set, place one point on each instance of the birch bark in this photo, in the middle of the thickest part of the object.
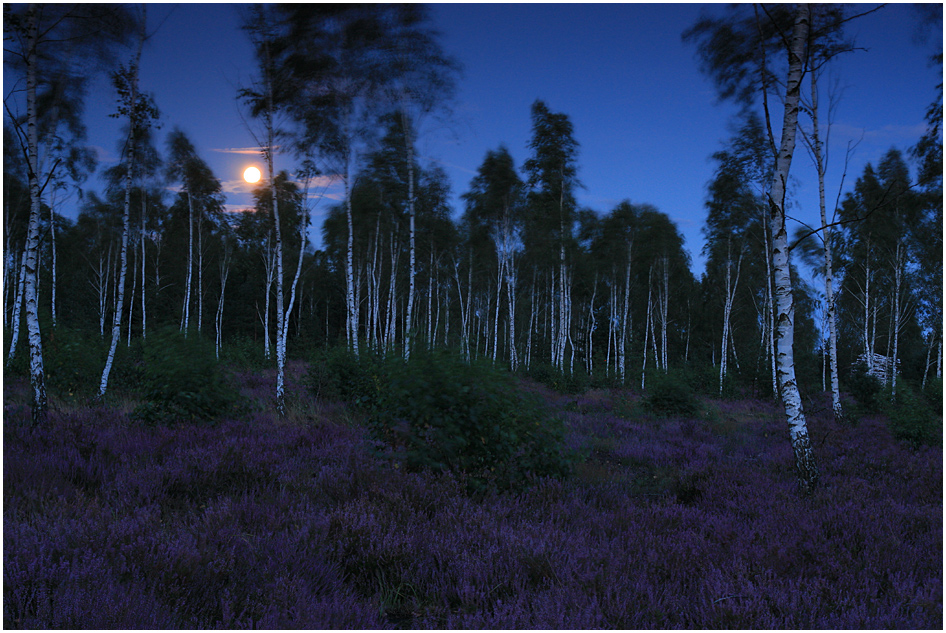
(37, 374)
(785, 312)
(135, 119)
(828, 265)
(17, 306)
(144, 312)
(185, 314)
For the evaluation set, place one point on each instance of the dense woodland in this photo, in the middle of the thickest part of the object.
(519, 414)
(521, 275)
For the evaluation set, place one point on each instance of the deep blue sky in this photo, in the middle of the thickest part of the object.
(646, 120)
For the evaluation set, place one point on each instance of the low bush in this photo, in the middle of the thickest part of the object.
(912, 418)
(864, 388)
(183, 381)
(670, 394)
(933, 392)
(244, 353)
(566, 383)
(73, 362)
(338, 374)
(439, 413)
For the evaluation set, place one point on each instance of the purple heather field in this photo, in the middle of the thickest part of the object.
(300, 523)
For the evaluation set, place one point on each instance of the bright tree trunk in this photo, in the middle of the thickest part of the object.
(144, 312)
(126, 218)
(200, 273)
(785, 309)
(408, 324)
(185, 315)
(280, 299)
(731, 285)
(131, 298)
(898, 282)
(511, 298)
(625, 311)
(52, 237)
(37, 374)
(17, 306)
(646, 334)
(828, 266)
(269, 262)
(218, 320)
(430, 301)
(664, 312)
(351, 324)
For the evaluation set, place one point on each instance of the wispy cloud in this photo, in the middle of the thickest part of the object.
(254, 151)
(316, 184)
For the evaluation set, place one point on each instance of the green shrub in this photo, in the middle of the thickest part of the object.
(865, 389)
(245, 353)
(670, 394)
(337, 374)
(73, 361)
(439, 413)
(563, 382)
(933, 392)
(183, 381)
(912, 418)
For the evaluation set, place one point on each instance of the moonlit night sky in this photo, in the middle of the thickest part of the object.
(647, 121)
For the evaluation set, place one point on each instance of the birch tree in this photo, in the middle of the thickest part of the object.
(139, 110)
(494, 207)
(33, 42)
(552, 178)
(422, 79)
(734, 55)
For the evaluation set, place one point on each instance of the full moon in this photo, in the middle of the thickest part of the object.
(251, 175)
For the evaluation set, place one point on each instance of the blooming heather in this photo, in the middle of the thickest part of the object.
(667, 523)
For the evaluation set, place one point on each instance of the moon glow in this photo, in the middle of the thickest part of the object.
(251, 175)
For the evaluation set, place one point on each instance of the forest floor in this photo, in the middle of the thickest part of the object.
(300, 523)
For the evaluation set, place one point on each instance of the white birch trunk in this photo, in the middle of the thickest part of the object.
(144, 311)
(37, 374)
(269, 263)
(218, 319)
(131, 297)
(612, 322)
(625, 312)
(185, 314)
(17, 306)
(664, 311)
(52, 236)
(430, 300)
(295, 280)
(511, 299)
(351, 324)
(408, 319)
(868, 346)
(646, 335)
(134, 123)
(898, 281)
(499, 290)
(791, 399)
(464, 312)
(770, 306)
(828, 265)
(281, 314)
(731, 286)
(200, 272)
(531, 328)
